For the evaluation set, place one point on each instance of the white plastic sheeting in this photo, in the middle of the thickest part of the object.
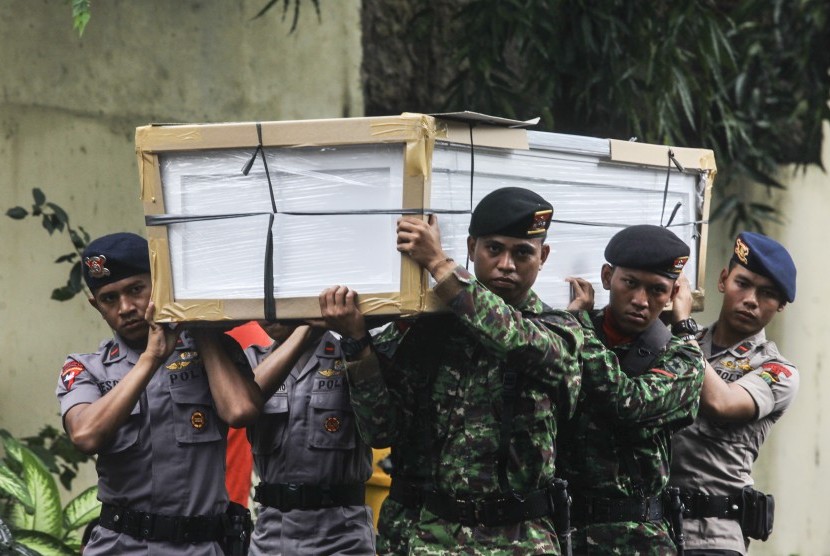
(336, 209)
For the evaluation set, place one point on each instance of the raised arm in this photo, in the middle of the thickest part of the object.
(272, 371)
(237, 397)
(377, 405)
(91, 426)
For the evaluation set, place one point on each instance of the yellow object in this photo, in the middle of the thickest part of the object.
(377, 487)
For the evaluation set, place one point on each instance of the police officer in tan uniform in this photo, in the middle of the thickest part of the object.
(748, 385)
(307, 451)
(154, 405)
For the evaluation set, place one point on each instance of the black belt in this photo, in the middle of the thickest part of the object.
(698, 505)
(502, 509)
(157, 527)
(288, 496)
(409, 494)
(612, 510)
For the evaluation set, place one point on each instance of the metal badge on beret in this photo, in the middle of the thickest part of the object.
(95, 266)
(741, 250)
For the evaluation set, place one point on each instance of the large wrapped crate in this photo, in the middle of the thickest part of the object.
(253, 220)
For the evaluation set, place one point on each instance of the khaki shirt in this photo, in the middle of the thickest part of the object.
(716, 458)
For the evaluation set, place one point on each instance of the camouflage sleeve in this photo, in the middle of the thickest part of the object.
(668, 393)
(503, 329)
(376, 404)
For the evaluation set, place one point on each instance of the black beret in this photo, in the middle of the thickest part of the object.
(511, 212)
(765, 256)
(647, 247)
(114, 257)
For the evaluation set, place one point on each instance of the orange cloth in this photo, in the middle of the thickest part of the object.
(238, 459)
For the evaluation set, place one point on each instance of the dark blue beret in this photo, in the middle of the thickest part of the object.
(647, 247)
(114, 257)
(511, 212)
(765, 256)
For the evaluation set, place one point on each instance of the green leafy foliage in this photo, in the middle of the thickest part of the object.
(80, 15)
(747, 78)
(55, 219)
(56, 451)
(30, 504)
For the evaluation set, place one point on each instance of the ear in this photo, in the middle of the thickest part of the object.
(471, 248)
(544, 254)
(724, 274)
(605, 275)
(781, 306)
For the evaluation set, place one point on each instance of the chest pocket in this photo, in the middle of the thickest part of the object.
(266, 436)
(331, 421)
(195, 417)
(127, 435)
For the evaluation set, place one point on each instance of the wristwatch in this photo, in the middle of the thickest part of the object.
(351, 348)
(686, 327)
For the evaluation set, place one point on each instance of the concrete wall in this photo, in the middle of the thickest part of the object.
(795, 460)
(68, 113)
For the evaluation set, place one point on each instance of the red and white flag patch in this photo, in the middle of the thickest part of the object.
(71, 369)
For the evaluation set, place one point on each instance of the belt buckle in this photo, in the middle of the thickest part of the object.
(468, 513)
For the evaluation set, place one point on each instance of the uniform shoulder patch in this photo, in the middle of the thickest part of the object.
(771, 372)
(71, 369)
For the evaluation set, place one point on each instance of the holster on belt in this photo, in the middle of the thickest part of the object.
(754, 510)
(238, 527)
(674, 506)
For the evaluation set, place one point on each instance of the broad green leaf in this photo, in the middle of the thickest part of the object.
(42, 543)
(48, 514)
(14, 486)
(14, 449)
(82, 509)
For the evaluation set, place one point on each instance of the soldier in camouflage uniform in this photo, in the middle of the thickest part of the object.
(615, 452)
(748, 386)
(472, 400)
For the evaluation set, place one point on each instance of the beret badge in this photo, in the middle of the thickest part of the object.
(95, 266)
(679, 263)
(541, 221)
(741, 250)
